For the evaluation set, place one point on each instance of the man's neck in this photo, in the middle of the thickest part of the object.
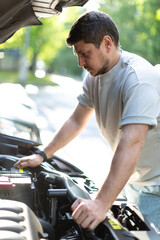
(116, 53)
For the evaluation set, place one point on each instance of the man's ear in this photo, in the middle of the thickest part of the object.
(108, 42)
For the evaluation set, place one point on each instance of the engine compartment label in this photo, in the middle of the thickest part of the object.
(114, 224)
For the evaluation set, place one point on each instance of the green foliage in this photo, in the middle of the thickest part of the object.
(47, 39)
(15, 41)
(138, 22)
(64, 61)
(66, 65)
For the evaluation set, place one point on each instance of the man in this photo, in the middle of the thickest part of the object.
(124, 91)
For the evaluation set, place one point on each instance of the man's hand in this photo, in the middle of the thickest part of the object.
(29, 161)
(88, 213)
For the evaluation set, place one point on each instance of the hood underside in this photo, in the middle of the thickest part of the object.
(15, 14)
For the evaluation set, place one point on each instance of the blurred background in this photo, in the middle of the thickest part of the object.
(39, 72)
(42, 49)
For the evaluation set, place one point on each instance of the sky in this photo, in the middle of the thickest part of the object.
(92, 5)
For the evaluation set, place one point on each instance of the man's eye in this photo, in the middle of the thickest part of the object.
(84, 54)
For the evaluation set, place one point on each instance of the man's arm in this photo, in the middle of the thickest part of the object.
(71, 128)
(89, 213)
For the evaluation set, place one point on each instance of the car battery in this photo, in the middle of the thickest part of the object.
(17, 185)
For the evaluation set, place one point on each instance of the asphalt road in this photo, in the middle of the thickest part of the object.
(88, 151)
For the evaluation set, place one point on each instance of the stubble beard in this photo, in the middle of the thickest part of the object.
(104, 69)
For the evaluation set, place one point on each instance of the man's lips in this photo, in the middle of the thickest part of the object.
(87, 68)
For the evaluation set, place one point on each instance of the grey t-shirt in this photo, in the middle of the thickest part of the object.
(128, 94)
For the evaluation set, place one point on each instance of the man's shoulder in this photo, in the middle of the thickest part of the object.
(142, 68)
(134, 60)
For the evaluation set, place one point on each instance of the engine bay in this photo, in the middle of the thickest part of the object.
(36, 202)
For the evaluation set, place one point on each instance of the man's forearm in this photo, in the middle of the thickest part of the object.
(71, 128)
(68, 132)
(89, 213)
(120, 172)
(122, 167)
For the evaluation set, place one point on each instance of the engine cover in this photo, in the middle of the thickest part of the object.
(18, 222)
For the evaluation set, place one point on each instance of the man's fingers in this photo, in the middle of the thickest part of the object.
(87, 223)
(29, 161)
(82, 212)
(88, 213)
(76, 203)
(93, 224)
(85, 217)
(16, 165)
(20, 164)
(79, 215)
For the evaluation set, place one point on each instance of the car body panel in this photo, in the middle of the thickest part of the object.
(15, 14)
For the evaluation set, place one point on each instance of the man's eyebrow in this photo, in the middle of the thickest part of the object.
(78, 52)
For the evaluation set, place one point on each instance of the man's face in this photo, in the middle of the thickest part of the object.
(90, 58)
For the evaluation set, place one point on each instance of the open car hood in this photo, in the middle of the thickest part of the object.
(15, 14)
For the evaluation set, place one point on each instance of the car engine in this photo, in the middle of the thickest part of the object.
(35, 203)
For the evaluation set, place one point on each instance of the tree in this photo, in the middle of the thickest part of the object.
(64, 61)
(138, 22)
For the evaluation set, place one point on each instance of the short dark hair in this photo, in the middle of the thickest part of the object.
(91, 28)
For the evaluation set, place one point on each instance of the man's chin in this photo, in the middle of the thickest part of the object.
(92, 73)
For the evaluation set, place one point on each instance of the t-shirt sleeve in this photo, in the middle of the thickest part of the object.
(141, 105)
(85, 98)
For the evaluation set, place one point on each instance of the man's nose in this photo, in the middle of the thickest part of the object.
(81, 61)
